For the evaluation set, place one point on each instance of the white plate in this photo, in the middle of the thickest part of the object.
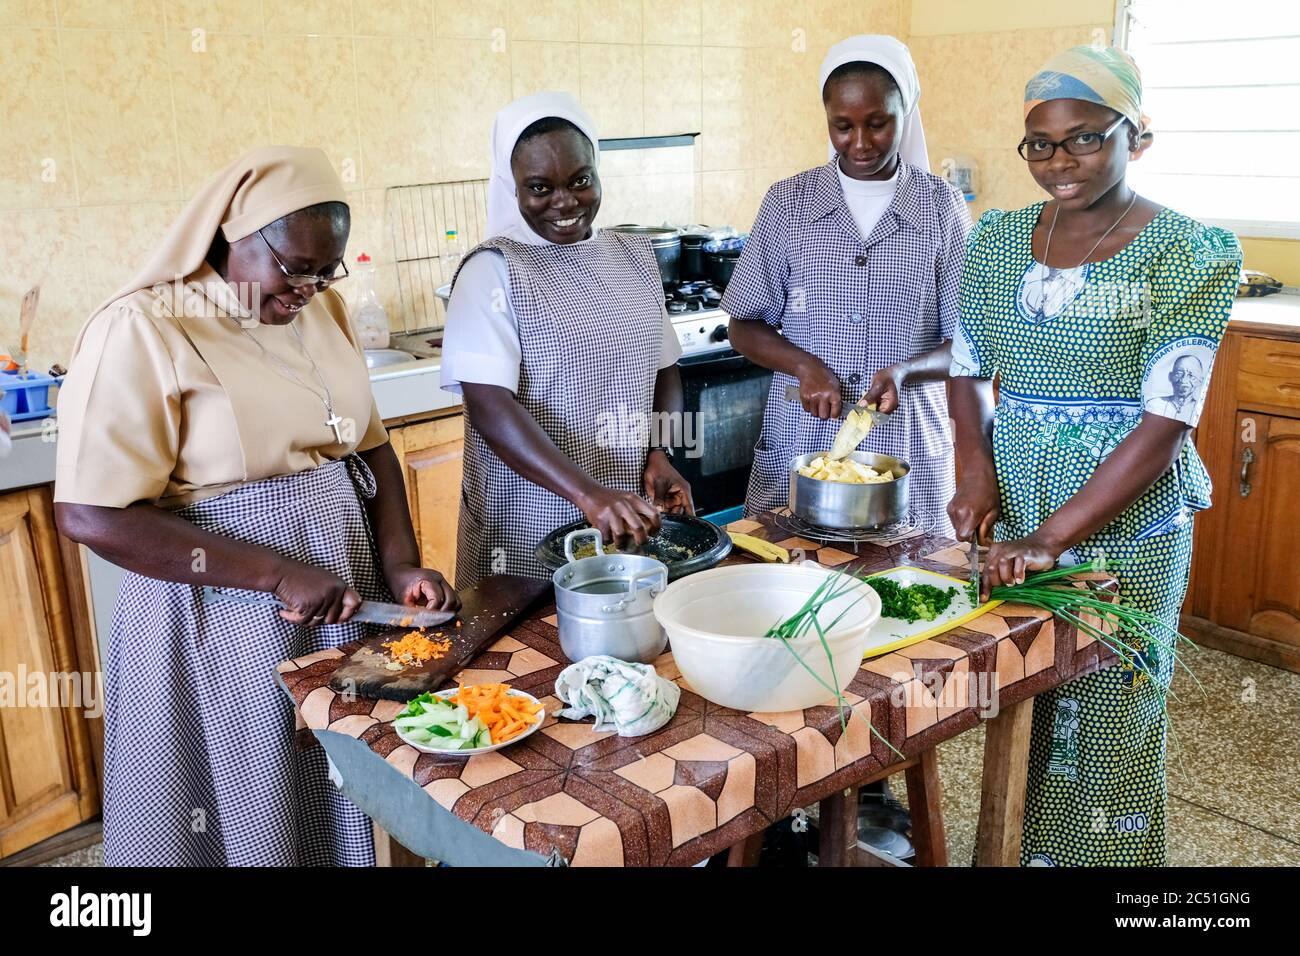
(891, 633)
(425, 748)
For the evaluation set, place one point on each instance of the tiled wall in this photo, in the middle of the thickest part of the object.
(972, 94)
(114, 111)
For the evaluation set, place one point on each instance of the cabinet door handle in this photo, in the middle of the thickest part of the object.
(1247, 457)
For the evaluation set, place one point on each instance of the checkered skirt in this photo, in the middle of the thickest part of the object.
(591, 330)
(200, 762)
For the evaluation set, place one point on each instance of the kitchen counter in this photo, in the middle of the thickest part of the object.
(401, 391)
(1268, 315)
(713, 778)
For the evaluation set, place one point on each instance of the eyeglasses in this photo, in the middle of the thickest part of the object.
(300, 281)
(1080, 144)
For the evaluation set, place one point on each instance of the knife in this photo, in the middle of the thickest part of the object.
(975, 565)
(370, 612)
(877, 417)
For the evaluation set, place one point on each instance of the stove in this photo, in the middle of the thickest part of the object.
(700, 324)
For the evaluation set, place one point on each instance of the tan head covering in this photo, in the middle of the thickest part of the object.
(255, 190)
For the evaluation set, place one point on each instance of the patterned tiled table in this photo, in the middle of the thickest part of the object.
(713, 778)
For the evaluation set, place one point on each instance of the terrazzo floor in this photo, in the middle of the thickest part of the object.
(1234, 793)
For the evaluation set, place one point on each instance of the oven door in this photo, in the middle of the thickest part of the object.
(725, 395)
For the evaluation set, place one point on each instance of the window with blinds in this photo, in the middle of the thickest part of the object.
(1221, 83)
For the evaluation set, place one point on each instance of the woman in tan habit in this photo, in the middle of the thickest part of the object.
(217, 429)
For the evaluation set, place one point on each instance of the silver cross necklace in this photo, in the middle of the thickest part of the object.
(332, 420)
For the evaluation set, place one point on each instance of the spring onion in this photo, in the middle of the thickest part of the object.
(807, 618)
(911, 602)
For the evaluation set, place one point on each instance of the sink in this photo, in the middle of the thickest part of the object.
(379, 358)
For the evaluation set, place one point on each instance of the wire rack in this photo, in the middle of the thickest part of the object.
(419, 217)
(918, 522)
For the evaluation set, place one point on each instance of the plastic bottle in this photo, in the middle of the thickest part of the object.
(454, 252)
(368, 314)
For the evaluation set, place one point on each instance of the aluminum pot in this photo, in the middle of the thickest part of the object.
(840, 504)
(605, 603)
(666, 244)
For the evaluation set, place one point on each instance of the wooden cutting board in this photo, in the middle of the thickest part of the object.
(487, 609)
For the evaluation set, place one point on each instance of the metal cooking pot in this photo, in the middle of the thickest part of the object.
(692, 266)
(605, 604)
(840, 504)
(666, 244)
(718, 266)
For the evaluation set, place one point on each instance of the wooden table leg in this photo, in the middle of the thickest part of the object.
(925, 802)
(388, 852)
(746, 852)
(1002, 803)
(838, 826)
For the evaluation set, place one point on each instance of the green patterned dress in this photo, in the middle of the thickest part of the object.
(1081, 355)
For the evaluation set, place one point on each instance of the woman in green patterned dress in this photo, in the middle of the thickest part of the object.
(1100, 312)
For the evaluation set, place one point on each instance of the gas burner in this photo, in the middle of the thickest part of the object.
(699, 296)
(916, 523)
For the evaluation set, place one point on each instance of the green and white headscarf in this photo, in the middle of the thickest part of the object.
(1096, 74)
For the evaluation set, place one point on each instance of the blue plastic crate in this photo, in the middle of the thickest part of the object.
(26, 396)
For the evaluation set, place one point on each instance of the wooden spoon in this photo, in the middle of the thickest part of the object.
(27, 317)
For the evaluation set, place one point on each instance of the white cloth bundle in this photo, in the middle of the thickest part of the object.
(630, 698)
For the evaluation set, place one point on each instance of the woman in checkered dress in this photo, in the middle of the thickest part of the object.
(558, 339)
(848, 285)
(217, 428)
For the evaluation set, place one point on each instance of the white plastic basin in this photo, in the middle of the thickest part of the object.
(716, 619)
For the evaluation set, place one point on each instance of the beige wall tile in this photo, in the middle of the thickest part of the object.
(118, 15)
(303, 17)
(36, 167)
(830, 21)
(116, 241)
(483, 19)
(610, 21)
(542, 65)
(400, 118)
(753, 23)
(42, 247)
(611, 88)
(728, 110)
(672, 22)
(27, 13)
(544, 20)
(392, 17)
(674, 89)
(473, 83)
(228, 16)
(120, 111)
(313, 101)
(222, 109)
(728, 198)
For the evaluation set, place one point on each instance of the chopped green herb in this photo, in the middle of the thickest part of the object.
(911, 602)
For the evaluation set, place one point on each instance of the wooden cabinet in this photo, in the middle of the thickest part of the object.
(431, 454)
(48, 678)
(1245, 594)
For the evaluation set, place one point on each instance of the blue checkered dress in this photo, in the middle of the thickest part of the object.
(859, 305)
(590, 333)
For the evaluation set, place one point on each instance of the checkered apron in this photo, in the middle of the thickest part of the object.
(858, 305)
(200, 762)
(591, 331)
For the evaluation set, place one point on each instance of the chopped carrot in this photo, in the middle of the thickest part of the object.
(504, 716)
(415, 648)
